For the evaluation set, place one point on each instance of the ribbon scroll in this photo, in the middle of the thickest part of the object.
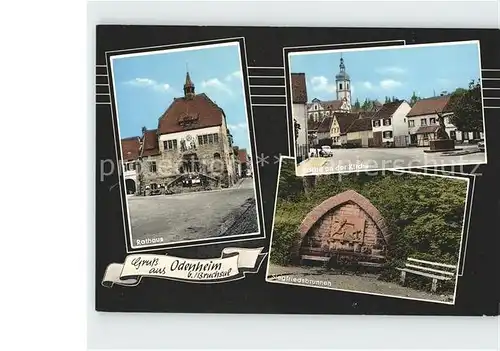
(232, 265)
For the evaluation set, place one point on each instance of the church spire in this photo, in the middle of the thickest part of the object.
(188, 87)
(342, 66)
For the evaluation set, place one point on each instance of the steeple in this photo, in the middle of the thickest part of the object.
(343, 83)
(188, 87)
(342, 66)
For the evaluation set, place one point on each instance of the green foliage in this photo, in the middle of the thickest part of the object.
(414, 98)
(424, 213)
(466, 105)
(290, 186)
(357, 105)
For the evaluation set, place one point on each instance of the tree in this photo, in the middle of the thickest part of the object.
(366, 105)
(357, 105)
(466, 105)
(414, 98)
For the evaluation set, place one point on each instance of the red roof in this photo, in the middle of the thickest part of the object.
(387, 110)
(150, 143)
(344, 120)
(185, 114)
(299, 91)
(429, 106)
(130, 148)
(242, 155)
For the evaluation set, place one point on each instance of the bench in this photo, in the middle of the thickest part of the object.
(443, 272)
(323, 259)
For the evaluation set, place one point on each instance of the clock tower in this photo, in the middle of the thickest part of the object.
(343, 85)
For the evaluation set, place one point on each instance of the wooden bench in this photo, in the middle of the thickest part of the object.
(324, 259)
(427, 269)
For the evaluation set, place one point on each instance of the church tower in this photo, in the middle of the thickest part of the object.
(188, 87)
(343, 83)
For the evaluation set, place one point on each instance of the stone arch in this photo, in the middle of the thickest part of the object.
(331, 204)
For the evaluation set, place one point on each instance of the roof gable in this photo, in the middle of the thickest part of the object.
(150, 143)
(190, 113)
(387, 110)
(430, 106)
(345, 120)
(130, 148)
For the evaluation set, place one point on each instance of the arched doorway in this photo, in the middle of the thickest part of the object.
(130, 186)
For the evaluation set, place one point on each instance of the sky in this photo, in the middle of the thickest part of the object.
(396, 71)
(146, 85)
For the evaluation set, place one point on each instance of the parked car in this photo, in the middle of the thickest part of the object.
(480, 145)
(326, 151)
(191, 180)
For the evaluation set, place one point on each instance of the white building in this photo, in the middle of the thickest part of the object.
(299, 112)
(390, 125)
(130, 156)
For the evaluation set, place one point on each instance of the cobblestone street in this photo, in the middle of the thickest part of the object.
(192, 216)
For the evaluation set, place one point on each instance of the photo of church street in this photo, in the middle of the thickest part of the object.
(386, 108)
(186, 158)
(392, 233)
(192, 216)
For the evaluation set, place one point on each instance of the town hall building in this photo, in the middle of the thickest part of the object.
(191, 141)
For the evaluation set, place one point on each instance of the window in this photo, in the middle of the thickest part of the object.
(387, 122)
(376, 123)
(387, 134)
(453, 135)
(170, 144)
(411, 123)
(423, 122)
(152, 166)
(327, 113)
(347, 85)
(465, 135)
(432, 121)
(315, 114)
(208, 139)
(315, 107)
(217, 155)
(340, 86)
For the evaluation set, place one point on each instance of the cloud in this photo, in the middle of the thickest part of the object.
(216, 84)
(391, 70)
(149, 83)
(368, 85)
(388, 84)
(233, 76)
(443, 81)
(237, 126)
(321, 83)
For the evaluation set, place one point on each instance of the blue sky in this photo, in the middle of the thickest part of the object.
(391, 72)
(146, 85)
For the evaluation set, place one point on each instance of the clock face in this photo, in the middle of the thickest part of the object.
(189, 137)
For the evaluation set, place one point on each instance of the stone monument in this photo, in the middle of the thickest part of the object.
(442, 141)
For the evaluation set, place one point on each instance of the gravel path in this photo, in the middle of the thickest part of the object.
(367, 283)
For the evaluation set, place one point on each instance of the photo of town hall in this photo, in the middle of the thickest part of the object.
(387, 107)
(185, 145)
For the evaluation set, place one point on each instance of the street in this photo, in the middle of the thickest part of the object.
(165, 219)
(364, 159)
